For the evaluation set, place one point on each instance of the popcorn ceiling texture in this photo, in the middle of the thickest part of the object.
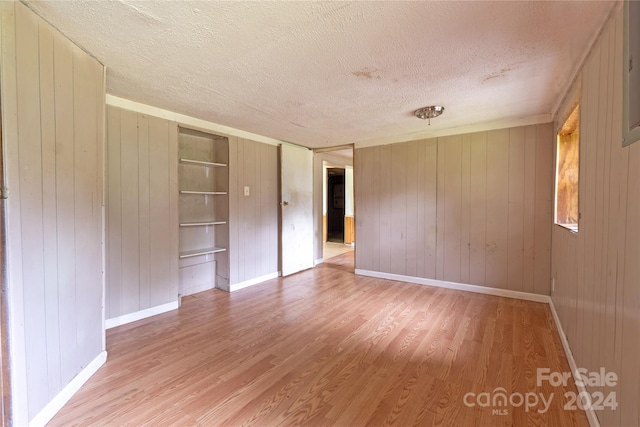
(330, 73)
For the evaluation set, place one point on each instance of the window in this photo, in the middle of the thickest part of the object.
(567, 172)
(631, 67)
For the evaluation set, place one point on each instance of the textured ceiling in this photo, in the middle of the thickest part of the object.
(331, 73)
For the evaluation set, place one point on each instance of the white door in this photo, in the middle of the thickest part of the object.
(296, 198)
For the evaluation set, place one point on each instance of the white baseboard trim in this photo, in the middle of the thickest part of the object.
(251, 282)
(318, 261)
(142, 314)
(457, 286)
(591, 414)
(52, 408)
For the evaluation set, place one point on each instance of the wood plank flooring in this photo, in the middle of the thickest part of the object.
(326, 347)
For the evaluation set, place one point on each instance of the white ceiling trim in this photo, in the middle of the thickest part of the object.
(188, 121)
(223, 130)
(482, 127)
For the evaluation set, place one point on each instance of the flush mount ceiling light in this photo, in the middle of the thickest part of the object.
(428, 113)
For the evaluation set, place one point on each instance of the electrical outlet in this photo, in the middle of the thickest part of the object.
(246, 190)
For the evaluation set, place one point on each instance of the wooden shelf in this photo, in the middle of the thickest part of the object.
(201, 163)
(210, 193)
(201, 223)
(198, 252)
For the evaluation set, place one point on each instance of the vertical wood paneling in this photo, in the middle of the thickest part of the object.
(31, 204)
(163, 188)
(234, 206)
(430, 192)
(618, 203)
(465, 214)
(630, 366)
(242, 230)
(382, 181)
(529, 203)
(50, 249)
(478, 208)
(364, 164)
(597, 270)
(16, 333)
(465, 198)
(53, 104)
(141, 221)
(441, 181)
(411, 212)
(248, 210)
(497, 208)
(271, 169)
(515, 226)
(170, 281)
(262, 207)
(130, 249)
(398, 219)
(451, 198)
(65, 172)
(114, 216)
(144, 208)
(88, 76)
(543, 216)
(253, 229)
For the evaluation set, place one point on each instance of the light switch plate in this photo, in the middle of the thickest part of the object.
(246, 190)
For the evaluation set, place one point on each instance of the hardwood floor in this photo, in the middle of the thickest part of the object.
(331, 249)
(326, 347)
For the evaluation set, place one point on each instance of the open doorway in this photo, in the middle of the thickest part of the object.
(335, 205)
(333, 202)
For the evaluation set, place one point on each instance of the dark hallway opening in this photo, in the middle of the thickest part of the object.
(335, 205)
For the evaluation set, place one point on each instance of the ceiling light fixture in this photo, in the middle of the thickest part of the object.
(428, 113)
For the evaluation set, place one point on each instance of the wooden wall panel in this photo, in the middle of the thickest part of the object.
(31, 184)
(597, 270)
(142, 248)
(364, 165)
(428, 170)
(465, 214)
(543, 209)
(144, 213)
(496, 257)
(384, 191)
(130, 243)
(88, 101)
(451, 199)
(478, 208)
(465, 197)
(234, 200)
(253, 225)
(49, 194)
(397, 219)
(529, 203)
(53, 125)
(411, 212)
(515, 209)
(114, 218)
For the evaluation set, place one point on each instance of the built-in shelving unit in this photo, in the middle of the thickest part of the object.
(201, 223)
(202, 163)
(203, 211)
(210, 193)
(198, 252)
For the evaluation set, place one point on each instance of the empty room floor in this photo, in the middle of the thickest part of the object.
(326, 347)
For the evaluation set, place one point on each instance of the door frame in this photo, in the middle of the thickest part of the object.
(322, 156)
